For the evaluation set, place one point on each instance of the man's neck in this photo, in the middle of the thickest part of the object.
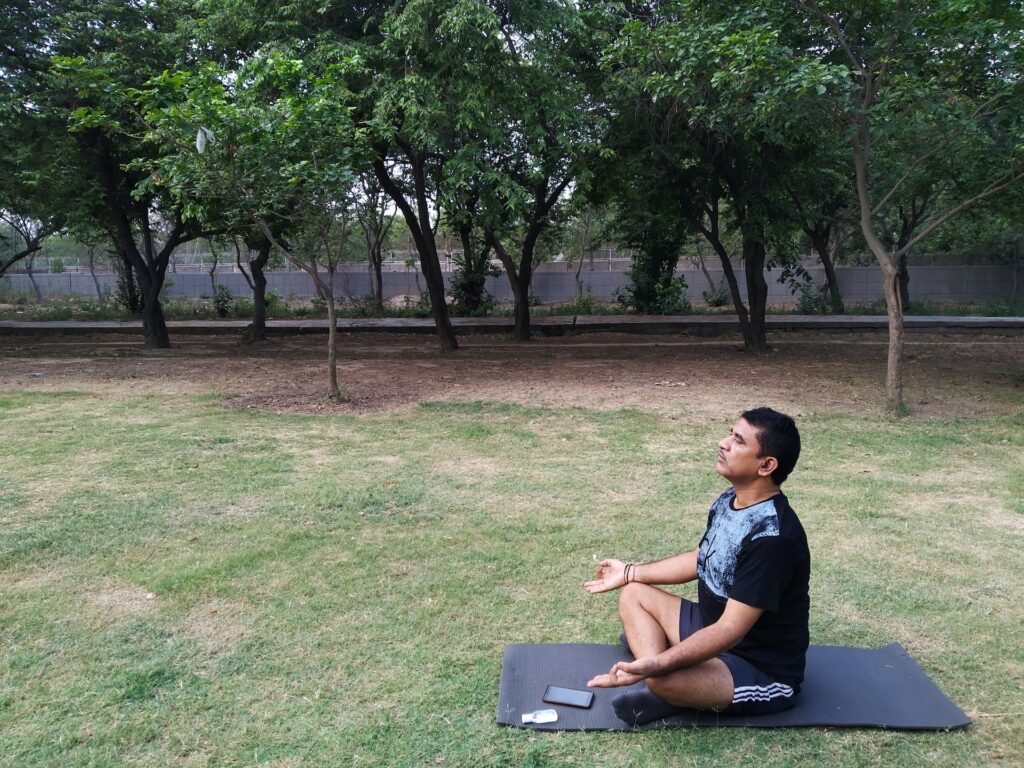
(748, 495)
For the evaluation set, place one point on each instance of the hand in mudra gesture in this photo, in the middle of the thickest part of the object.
(624, 673)
(611, 574)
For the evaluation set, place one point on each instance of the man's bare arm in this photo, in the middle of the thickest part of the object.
(612, 574)
(672, 570)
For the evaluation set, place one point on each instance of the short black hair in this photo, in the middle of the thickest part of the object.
(778, 437)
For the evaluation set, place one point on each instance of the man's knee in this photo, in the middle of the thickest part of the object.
(631, 595)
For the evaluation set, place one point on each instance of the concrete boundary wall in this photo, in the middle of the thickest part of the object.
(557, 283)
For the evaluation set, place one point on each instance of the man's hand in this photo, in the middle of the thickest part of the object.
(625, 673)
(611, 574)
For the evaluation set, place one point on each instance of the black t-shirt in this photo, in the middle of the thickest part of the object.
(758, 555)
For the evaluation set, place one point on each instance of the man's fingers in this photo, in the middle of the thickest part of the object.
(602, 681)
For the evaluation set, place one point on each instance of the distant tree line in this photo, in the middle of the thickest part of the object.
(741, 134)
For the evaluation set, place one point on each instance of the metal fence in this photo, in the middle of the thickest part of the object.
(552, 282)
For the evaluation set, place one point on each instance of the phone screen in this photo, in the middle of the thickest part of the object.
(568, 696)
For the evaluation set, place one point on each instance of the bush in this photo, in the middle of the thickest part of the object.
(584, 305)
(222, 301)
(128, 294)
(667, 296)
(715, 298)
(242, 307)
(421, 307)
(469, 295)
(810, 301)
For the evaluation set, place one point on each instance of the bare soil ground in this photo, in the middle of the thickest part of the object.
(947, 375)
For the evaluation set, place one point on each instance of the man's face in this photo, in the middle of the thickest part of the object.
(737, 454)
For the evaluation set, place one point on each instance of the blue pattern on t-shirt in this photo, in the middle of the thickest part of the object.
(727, 528)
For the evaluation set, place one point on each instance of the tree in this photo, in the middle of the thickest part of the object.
(923, 82)
(820, 191)
(29, 172)
(29, 232)
(92, 56)
(548, 131)
(275, 140)
(375, 222)
(433, 85)
(259, 247)
(728, 107)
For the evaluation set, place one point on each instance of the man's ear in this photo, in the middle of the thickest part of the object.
(768, 465)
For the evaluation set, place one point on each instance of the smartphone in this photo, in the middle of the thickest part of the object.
(568, 696)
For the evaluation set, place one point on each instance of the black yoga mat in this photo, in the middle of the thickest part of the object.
(843, 687)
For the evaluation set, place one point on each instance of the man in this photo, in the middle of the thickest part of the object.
(741, 647)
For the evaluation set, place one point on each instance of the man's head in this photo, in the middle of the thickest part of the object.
(763, 443)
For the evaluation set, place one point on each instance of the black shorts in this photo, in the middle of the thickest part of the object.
(754, 692)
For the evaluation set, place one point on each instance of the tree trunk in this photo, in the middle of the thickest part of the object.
(258, 332)
(588, 220)
(434, 278)
(92, 271)
(378, 273)
(430, 265)
(894, 366)
(519, 279)
(332, 346)
(757, 292)
(903, 278)
(821, 245)
(734, 287)
(521, 311)
(32, 279)
(213, 275)
(154, 327)
(894, 363)
(257, 265)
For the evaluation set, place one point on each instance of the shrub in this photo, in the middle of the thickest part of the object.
(810, 302)
(222, 301)
(715, 298)
(666, 296)
(469, 295)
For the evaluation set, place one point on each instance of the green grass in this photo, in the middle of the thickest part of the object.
(185, 585)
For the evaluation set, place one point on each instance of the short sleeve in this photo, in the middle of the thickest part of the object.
(764, 568)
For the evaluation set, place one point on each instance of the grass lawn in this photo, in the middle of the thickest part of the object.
(186, 585)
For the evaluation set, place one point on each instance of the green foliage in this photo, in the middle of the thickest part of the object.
(715, 299)
(468, 287)
(222, 301)
(272, 299)
(128, 294)
(810, 302)
(663, 296)
(583, 305)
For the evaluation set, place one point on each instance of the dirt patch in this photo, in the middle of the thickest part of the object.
(41, 578)
(120, 600)
(217, 627)
(947, 375)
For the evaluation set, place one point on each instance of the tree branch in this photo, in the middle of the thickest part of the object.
(996, 186)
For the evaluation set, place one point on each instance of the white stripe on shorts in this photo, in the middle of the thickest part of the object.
(762, 692)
